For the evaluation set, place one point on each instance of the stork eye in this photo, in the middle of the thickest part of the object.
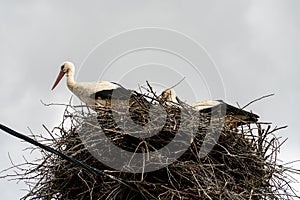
(62, 67)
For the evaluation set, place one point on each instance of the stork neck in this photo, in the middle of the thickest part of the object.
(172, 95)
(172, 98)
(70, 79)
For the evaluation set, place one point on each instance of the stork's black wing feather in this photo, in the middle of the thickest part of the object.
(234, 111)
(237, 111)
(118, 93)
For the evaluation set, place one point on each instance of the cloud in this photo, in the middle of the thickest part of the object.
(255, 45)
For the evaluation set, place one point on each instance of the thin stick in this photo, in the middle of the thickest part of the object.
(64, 156)
(260, 98)
(177, 83)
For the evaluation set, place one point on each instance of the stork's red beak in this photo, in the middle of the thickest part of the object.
(59, 77)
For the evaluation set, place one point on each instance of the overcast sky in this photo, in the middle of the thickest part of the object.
(253, 47)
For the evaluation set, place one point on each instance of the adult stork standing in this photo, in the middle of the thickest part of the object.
(93, 94)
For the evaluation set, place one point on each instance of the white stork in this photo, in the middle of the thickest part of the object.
(169, 96)
(233, 114)
(171, 99)
(94, 94)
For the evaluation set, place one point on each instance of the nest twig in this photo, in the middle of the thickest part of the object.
(242, 164)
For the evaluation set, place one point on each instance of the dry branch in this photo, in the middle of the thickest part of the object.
(242, 165)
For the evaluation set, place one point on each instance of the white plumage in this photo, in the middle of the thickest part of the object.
(233, 114)
(205, 104)
(169, 96)
(100, 93)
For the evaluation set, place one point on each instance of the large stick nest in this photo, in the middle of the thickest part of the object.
(241, 165)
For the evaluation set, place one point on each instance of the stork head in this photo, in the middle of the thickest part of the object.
(66, 68)
(169, 95)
